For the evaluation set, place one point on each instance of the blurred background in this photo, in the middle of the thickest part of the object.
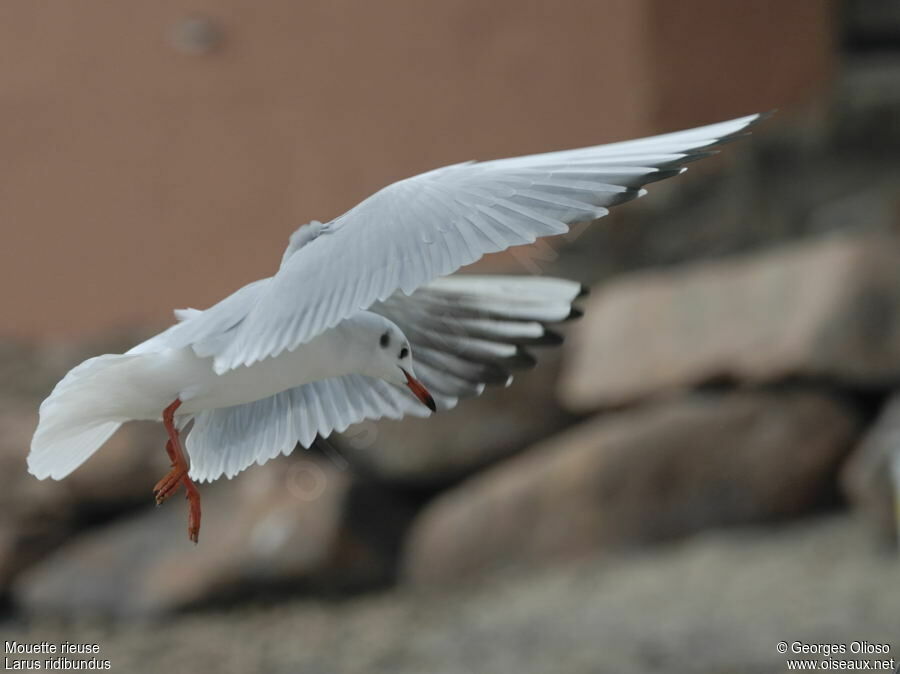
(709, 464)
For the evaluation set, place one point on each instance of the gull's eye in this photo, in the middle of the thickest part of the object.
(385, 340)
(404, 352)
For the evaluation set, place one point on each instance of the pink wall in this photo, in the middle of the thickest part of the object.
(135, 178)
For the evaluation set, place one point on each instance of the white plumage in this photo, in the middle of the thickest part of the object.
(302, 353)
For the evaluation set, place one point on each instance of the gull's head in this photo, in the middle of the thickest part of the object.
(390, 357)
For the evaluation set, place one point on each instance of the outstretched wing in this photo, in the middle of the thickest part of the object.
(431, 225)
(469, 331)
(227, 440)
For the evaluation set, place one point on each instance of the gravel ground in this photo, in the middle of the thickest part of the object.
(715, 603)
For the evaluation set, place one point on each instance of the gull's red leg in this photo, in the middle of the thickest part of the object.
(179, 474)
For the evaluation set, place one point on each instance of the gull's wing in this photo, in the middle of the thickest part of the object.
(225, 441)
(432, 224)
(464, 332)
(468, 331)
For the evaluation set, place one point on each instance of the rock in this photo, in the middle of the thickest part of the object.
(871, 475)
(283, 525)
(636, 477)
(453, 444)
(824, 308)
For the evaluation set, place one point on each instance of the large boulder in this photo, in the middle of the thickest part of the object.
(822, 308)
(292, 524)
(635, 477)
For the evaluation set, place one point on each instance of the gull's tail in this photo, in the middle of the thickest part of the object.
(81, 413)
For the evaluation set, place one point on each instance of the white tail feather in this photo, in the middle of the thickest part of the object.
(78, 417)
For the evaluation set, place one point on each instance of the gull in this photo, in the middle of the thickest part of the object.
(329, 339)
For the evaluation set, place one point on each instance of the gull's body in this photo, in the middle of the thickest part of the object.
(159, 374)
(329, 339)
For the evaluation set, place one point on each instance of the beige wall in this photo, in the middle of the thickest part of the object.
(135, 177)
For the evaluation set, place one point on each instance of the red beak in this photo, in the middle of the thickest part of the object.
(420, 391)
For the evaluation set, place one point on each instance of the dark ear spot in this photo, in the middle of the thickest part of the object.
(404, 352)
(385, 340)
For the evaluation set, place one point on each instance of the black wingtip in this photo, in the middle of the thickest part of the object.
(583, 291)
(662, 174)
(574, 313)
(763, 116)
(745, 132)
(523, 359)
(733, 137)
(494, 375)
(549, 338)
(696, 155)
(620, 198)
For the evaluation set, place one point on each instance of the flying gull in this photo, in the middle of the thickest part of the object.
(330, 339)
